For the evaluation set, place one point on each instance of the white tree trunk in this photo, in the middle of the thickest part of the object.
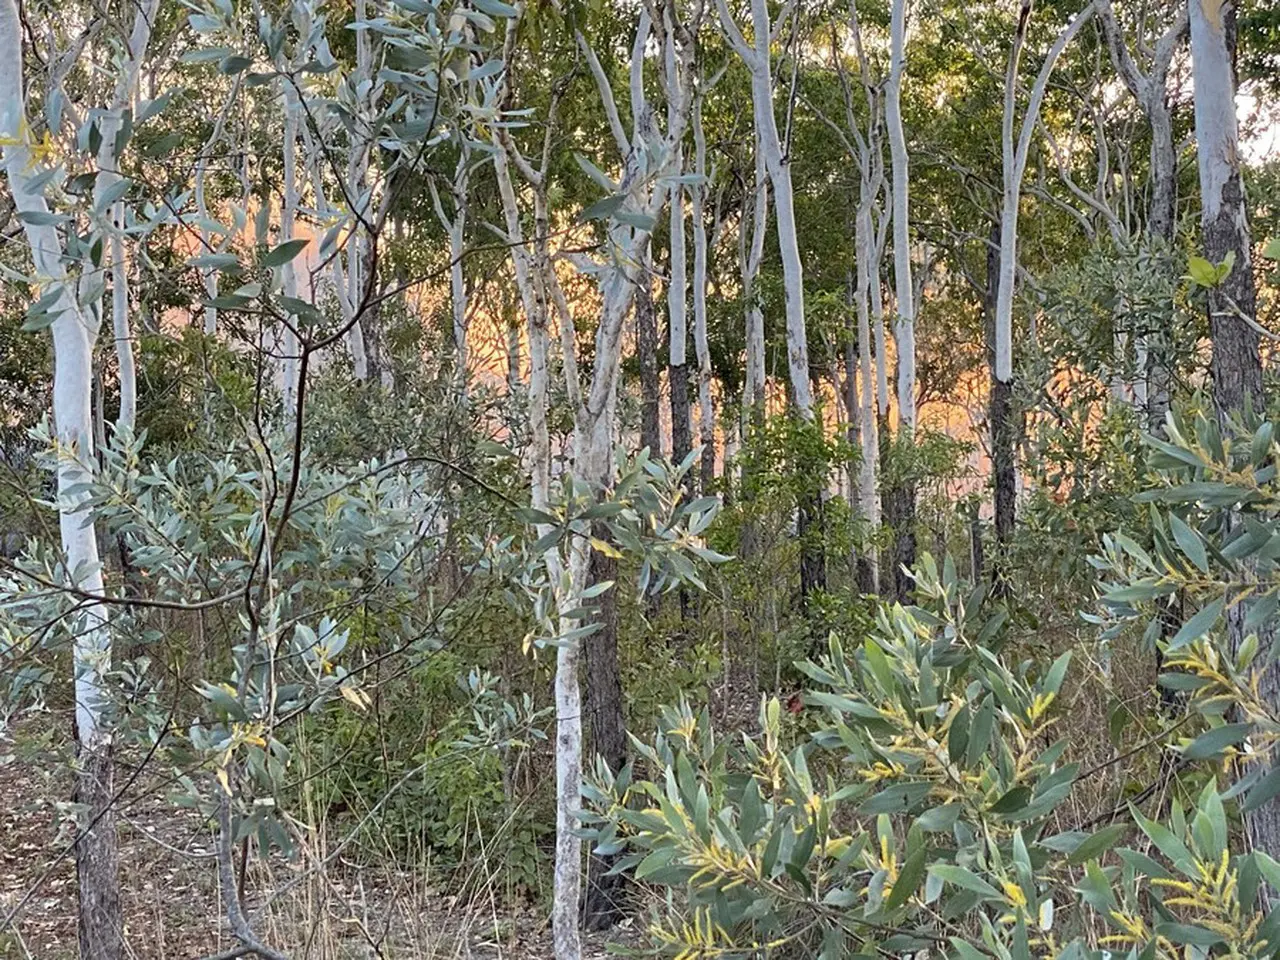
(1014, 162)
(108, 175)
(706, 415)
(751, 258)
(769, 142)
(74, 331)
(905, 332)
(868, 496)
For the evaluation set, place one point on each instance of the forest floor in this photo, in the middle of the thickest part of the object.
(169, 880)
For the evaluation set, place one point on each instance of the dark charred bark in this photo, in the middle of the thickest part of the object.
(977, 556)
(603, 905)
(681, 426)
(647, 348)
(1002, 426)
(900, 515)
(97, 858)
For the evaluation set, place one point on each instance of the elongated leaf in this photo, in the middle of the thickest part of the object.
(1213, 742)
(1190, 543)
(965, 879)
(1197, 626)
(1098, 844)
(280, 255)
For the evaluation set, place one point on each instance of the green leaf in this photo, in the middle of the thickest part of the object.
(1166, 842)
(965, 879)
(233, 65)
(909, 879)
(1202, 271)
(1213, 742)
(1186, 933)
(655, 861)
(896, 799)
(1197, 626)
(1190, 543)
(1012, 802)
(1098, 844)
(42, 218)
(280, 255)
(1263, 790)
(494, 8)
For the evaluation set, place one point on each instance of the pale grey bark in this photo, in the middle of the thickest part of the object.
(758, 59)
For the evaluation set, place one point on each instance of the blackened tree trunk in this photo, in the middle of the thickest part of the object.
(1003, 428)
(647, 348)
(681, 425)
(97, 860)
(607, 729)
(900, 515)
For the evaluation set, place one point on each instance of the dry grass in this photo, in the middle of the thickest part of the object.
(320, 906)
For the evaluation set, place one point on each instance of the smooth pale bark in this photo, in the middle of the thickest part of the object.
(769, 142)
(647, 350)
(702, 347)
(209, 276)
(905, 329)
(114, 263)
(678, 327)
(1014, 156)
(899, 506)
(1014, 163)
(751, 256)
(74, 331)
(455, 228)
(593, 440)
(876, 297)
(868, 495)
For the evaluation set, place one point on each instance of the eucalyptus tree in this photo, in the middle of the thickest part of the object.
(646, 156)
(1236, 364)
(1150, 89)
(76, 232)
(1015, 154)
(758, 57)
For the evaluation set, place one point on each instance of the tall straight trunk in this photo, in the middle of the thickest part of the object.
(74, 331)
(757, 57)
(702, 347)
(455, 227)
(750, 255)
(1014, 154)
(647, 349)
(108, 175)
(900, 501)
(1236, 366)
(868, 495)
(678, 330)
(904, 291)
(1003, 432)
(606, 723)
